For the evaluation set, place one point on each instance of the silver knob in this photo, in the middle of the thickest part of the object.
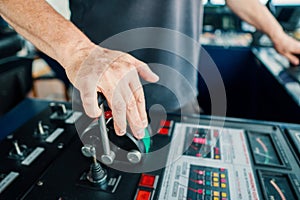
(87, 150)
(108, 159)
(134, 156)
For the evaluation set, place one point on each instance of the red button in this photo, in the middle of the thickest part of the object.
(108, 114)
(222, 169)
(216, 133)
(217, 150)
(165, 123)
(143, 195)
(147, 180)
(199, 140)
(163, 131)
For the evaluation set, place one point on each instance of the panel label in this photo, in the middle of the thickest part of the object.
(8, 180)
(32, 156)
(54, 135)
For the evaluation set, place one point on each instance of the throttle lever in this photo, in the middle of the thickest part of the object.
(108, 155)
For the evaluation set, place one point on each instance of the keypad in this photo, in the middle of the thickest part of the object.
(207, 183)
(205, 143)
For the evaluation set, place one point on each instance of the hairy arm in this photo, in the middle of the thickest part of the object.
(38, 22)
(89, 67)
(256, 14)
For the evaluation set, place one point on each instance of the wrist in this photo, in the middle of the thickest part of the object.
(276, 34)
(73, 57)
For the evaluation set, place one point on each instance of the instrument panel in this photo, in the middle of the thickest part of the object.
(181, 158)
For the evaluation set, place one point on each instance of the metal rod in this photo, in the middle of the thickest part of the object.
(103, 132)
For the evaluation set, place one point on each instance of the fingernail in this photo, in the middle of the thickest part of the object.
(141, 133)
(122, 132)
(156, 77)
(145, 123)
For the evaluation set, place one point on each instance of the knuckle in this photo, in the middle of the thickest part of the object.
(136, 123)
(118, 106)
(131, 104)
(140, 97)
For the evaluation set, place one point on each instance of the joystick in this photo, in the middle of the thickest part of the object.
(96, 175)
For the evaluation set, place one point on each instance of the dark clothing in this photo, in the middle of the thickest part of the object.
(167, 52)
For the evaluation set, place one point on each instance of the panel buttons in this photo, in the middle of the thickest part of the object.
(165, 123)
(224, 194)
(208, 192)
(165, 127)
(216, 193)
(208, 183)
(216, 184)
(108, 114)
(215, 179)
(147, 180)
(143, 195)
(163, 131)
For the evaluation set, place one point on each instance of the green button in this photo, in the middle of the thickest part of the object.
(207, 183)
(147, 140)
(208, 192)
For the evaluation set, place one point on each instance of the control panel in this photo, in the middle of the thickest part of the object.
(51, 157)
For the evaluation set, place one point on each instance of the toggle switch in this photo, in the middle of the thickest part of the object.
(59, 112)
(41, 130)
(58, 108)
(19, 152)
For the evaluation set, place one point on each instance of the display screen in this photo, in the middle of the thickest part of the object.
(286, 2)
(263, 149)
(277, 186)
(222, 2)
(218, 2)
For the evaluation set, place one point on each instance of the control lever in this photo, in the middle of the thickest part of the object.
(108, 156)
(96, 174)
(128, 148)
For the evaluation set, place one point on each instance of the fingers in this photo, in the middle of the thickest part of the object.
(136, 108)
(144, 71)
(133, 96)
(294, 60)
(139, 97)
(290, 48)
(118, 107)
(133, 116)
(88, 95)
(117, 77)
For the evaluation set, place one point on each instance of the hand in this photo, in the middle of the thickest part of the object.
(116, 75)
(288, 47)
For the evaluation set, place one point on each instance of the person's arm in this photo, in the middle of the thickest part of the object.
(256, 14)
(89, 67)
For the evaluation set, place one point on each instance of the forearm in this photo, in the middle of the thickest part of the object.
(38, 22)
(256, 14)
